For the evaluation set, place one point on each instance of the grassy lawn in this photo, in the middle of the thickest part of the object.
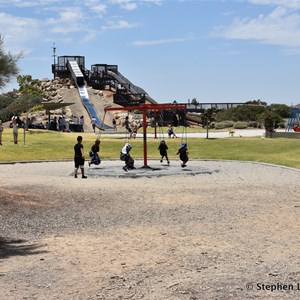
(50, 145)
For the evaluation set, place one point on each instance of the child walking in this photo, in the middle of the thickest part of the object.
(171, 132)
(79, 157)
(163, 151)
(183, 154)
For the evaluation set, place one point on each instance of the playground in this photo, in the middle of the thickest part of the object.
(215, 234)
(214, 229)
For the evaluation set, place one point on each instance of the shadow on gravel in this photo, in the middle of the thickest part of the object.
(10, 247)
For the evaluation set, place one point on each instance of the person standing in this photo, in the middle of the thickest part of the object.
(114, 122)
(79, 157)
(81, 121)
(93, 122)
(15, 130)
(127, 126)
(1, 131)
(171, 132)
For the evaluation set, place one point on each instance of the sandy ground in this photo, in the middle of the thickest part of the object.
(215, 230)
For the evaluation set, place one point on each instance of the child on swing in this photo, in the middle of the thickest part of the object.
(125, 156)
(163, 151)
(183, 154)
(95, 158)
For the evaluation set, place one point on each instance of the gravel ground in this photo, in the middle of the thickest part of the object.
(216, 230)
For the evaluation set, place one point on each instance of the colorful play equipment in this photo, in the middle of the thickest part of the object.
(294, 120)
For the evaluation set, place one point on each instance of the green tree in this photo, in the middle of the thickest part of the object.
(207, 118)
(256, 102)
(30, 93)
(6, 100)
(242, 113)
(282, 110)
(271, 120)
(8, 64)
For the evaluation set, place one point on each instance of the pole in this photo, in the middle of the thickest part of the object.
(54, 60)
(145, 137)
(155, 125)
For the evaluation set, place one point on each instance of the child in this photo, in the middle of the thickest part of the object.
(127, 126)
(163, 151)
(171, 132)
(95, 159)
(125, 156)
(79, 157)
(134, 131)
(183, 154)
(15, 127)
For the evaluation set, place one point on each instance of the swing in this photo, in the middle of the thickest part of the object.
(95, 158)
(184, 130)
(160, 125)
(99, 134)
(128, 134)
(183, 154)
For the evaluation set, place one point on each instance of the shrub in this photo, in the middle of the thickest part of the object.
(240, 125)
(254, 124)
(224, 124)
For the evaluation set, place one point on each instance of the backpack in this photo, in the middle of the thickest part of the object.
(122, 156)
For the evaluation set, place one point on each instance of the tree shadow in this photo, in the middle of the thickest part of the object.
(18, 247)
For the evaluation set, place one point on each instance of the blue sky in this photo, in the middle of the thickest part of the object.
(211, 50)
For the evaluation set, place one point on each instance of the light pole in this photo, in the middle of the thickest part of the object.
(54, 57)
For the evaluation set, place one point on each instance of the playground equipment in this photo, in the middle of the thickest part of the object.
(78, 78)
(103, 77)
(144, 108)
(294, 120)
(125, 93)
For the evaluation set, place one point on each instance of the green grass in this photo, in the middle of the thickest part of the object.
(50, 145)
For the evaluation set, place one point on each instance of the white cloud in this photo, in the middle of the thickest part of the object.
(280, 27)
(121, 24)
(70, 19)
(95, 6)
(134, 4)
(125, 4)
(156, 2)
(18, 31)
(159, 42)
(284, 3)
(33, 3)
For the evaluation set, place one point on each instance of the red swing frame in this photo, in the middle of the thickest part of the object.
(144, 108)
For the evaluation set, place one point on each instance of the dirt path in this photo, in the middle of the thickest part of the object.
(229, 234)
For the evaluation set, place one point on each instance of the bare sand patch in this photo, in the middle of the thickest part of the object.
(217, 235)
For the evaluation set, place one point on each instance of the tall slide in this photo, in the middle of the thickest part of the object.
(79, 80)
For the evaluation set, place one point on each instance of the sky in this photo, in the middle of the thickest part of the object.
(212, 50)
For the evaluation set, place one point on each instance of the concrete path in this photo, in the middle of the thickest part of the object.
(212, 135)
